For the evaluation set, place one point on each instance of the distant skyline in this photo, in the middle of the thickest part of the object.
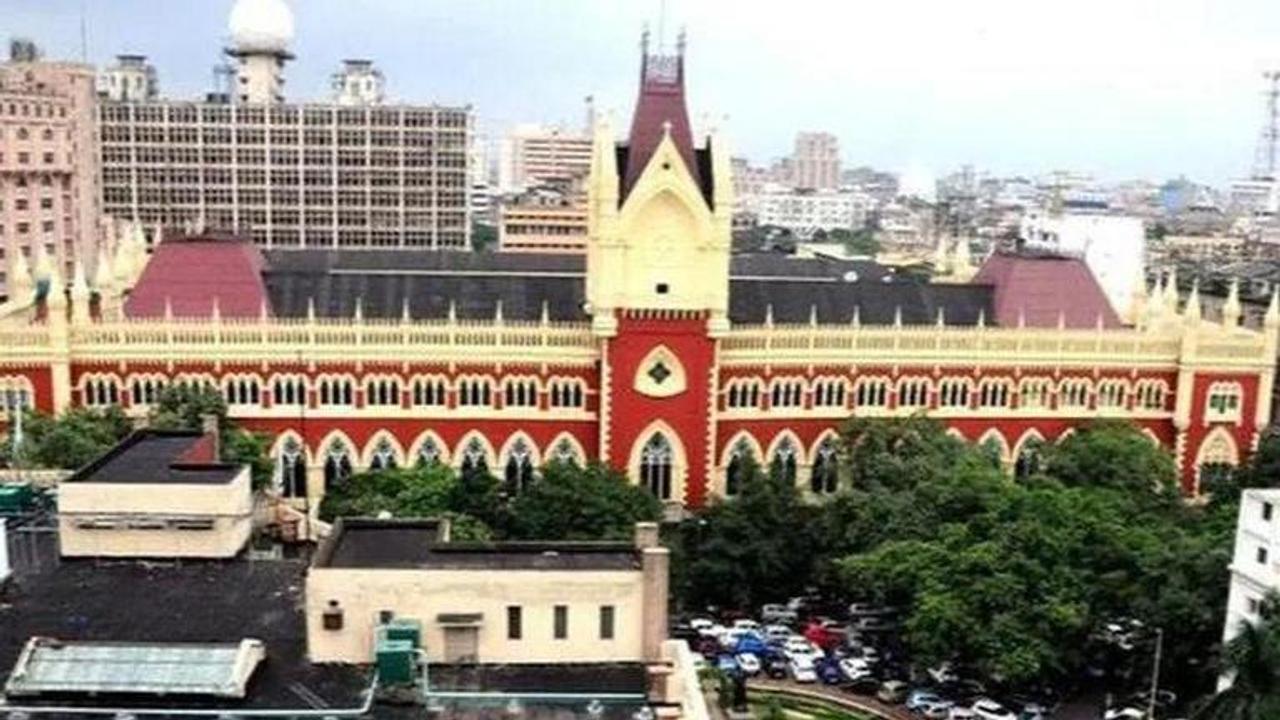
(1122, 90)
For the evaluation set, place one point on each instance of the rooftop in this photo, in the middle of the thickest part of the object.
(190, 275)
(361, 543)
(180, 457)
(136, 602)
(1043, 289)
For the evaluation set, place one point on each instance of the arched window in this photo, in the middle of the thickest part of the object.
(567, 393)
(656, 462)
(783, 464)
(101, 391)
(288, 390)
(741, 460)
(1033, 393)
(1073, 393)
(743, 393)
(871, 392)
(1112, 394)
(829, 392)
(518, 471)
(787, 394)
(1223, 401)
(337, 464)
(913, 393)
(994, 393)
(1030, 458)
(384, 392)
(1152, 394)
(242, 390)
(475, 458)
(291, 470)
(429, 391)
(953, 393)
(475, 392)
(565, 452)
(825, 478)
(384, 455)
(429, 453)
(146, 390)
(336, 391)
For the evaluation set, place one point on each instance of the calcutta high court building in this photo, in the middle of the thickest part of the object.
(660, 352)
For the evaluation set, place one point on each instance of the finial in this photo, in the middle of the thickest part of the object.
(942, 317)
(768, 314)
(263, 311)
(1099, 323)
(1272, 318)
(666, 128)
(982, 317)
(1062, 319)
(215, 312)
(55, 296)
(857, 316)
(1022, 317)
(1231, 308)
(404, 310)
(1192, 312)
(311, 308)
(546, 313)
(102, 279)
(497, 311)
(43, 269)
(79, 285)
(813, 315)
(359, 311)
(168, 308)
(897, 316)
(453, 311)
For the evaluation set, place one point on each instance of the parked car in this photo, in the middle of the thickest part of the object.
(959, 712)
(748, 663)
(776, 632)
(727, 663)
(923, 701)
(776, 667)
(867, 685)
(802, 670)
(781, 614)
(1125, 713)
(892, 692)
(799, 647)
(701, 623)
(746, 624)
(828, 671)
(988, 709)
(855, 668)
(942, 674)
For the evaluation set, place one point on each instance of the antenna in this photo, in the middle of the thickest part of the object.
(1265, 163)
(84, 36)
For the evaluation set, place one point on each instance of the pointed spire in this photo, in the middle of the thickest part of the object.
(1272, 318)
(1022, 317)
(497, 311)
(43, 269)
(982, 317)
(1192, 313)
(79, 285)
(963, 259)
(545, 316)
(215, 310)
(102, 279)
(453, 311)
(897, 316)
(942, 317)
(813, 316)
(857, 316)
(1171, 292)
(768, 315)
(264, 312)
(359, 312)
(311, 308)
(1062, 319)
(168, 308)
(404, 310)
(1231, 308)
(55, 294)
(21, 285)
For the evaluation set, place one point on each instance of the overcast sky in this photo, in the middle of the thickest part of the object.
(1118, 88)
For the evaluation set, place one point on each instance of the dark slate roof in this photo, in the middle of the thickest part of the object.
(1042, 287)
(189, 273)
(160, 457)
(398, 544)
(524, 282)
(613, 678)
(190, 601)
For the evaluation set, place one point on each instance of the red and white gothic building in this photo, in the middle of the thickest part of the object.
(660, 352)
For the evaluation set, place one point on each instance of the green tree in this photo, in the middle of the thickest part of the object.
(570, 502)
(484, 237)
(69, 441)
(1115, 454)
(1253, 661)
(856, 242)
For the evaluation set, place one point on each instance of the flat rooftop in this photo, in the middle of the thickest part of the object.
(161, 457)
(360, 543)
(136, 602)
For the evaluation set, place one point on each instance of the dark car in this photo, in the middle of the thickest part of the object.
(828, 670)
(862, 686)
(775, 666)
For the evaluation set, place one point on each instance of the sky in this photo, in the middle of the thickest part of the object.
(1120, 89)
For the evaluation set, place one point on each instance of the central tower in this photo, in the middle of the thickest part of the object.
(659, 215)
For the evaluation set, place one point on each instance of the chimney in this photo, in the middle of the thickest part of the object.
(655, 565)
(209, 425)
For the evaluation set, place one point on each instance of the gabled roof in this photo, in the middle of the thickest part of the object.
(660, 110)
(1041, 288)
(189, 273)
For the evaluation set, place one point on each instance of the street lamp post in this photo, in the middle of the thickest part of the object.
(1155, 674)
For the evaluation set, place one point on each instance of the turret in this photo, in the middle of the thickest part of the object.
(941, 263)
(1231, 308)
(21, 285)
(1192, 311)
(79, 295)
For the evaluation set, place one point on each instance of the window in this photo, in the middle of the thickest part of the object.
(475, 458)
(288, 391)
(953, 392)
(520, 393)
(515, 623)
(382, 392)
(655, 466)
(1262, 555)
(561, 630)
(242, 391)
(743, 394)
(829, 392)
(994, 393)
(518, 471)
(913, 393)
(429, 391)
(1224, 401)
(783, 465)
(1112, 394)
(384, 456)
(1151, 394)
(825, 478)
(741, 461)
(475, 392)
(606, 622)
(1253, 605)
(337, 465)
(1267, 510)
(291, 470)
(567, 393)
(1073, 394)
(787, 393)
(871, 392)
(336, 391)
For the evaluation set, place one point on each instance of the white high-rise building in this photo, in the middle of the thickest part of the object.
(533, 155)
(806, 212)
(816, 162)
(1255, 564)
(346, 174)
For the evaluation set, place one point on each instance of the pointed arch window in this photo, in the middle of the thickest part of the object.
(741, 460)
(518, 471)
(291, 470)
(384, 456)
(656, 462)
(565, 452)
(337, 465)
(784, 460)
(825, 477)
(1030, 458)
(429, 453)
(474, 457)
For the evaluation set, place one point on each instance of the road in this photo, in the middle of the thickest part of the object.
(860, 703)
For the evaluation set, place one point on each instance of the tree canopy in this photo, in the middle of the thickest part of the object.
(66, 442)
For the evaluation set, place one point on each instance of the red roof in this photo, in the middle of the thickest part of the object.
(190, 272)
(661, 106)
(1042, 288)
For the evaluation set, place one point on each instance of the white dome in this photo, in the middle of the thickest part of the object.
(261, 26)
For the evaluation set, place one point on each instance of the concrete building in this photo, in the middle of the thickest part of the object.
(816, 162)
(804, 212)
(1256, 196)
(533, 155)
(49, 201)
(550, 602)
(1255, 563)
(358, 83)
(290, 175)
(1113, 246)
(544, 220)
(159, 494)
(130, 79)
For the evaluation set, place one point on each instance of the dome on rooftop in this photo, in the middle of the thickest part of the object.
(261, 26)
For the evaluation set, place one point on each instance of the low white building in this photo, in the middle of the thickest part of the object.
(1255, 564)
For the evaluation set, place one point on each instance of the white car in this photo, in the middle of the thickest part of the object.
(988, 709)
(1126, 713)
(961, 713)
(798, 647)
(748, 663)
(776, 632)
(700, 624)
(855, 668)
(943, 674)
(778, 614)
(744, 624)
(802, 671)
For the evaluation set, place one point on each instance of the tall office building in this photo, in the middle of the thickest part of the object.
(816, 163)
(346, 174)
(533, 155)
(48, 164)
